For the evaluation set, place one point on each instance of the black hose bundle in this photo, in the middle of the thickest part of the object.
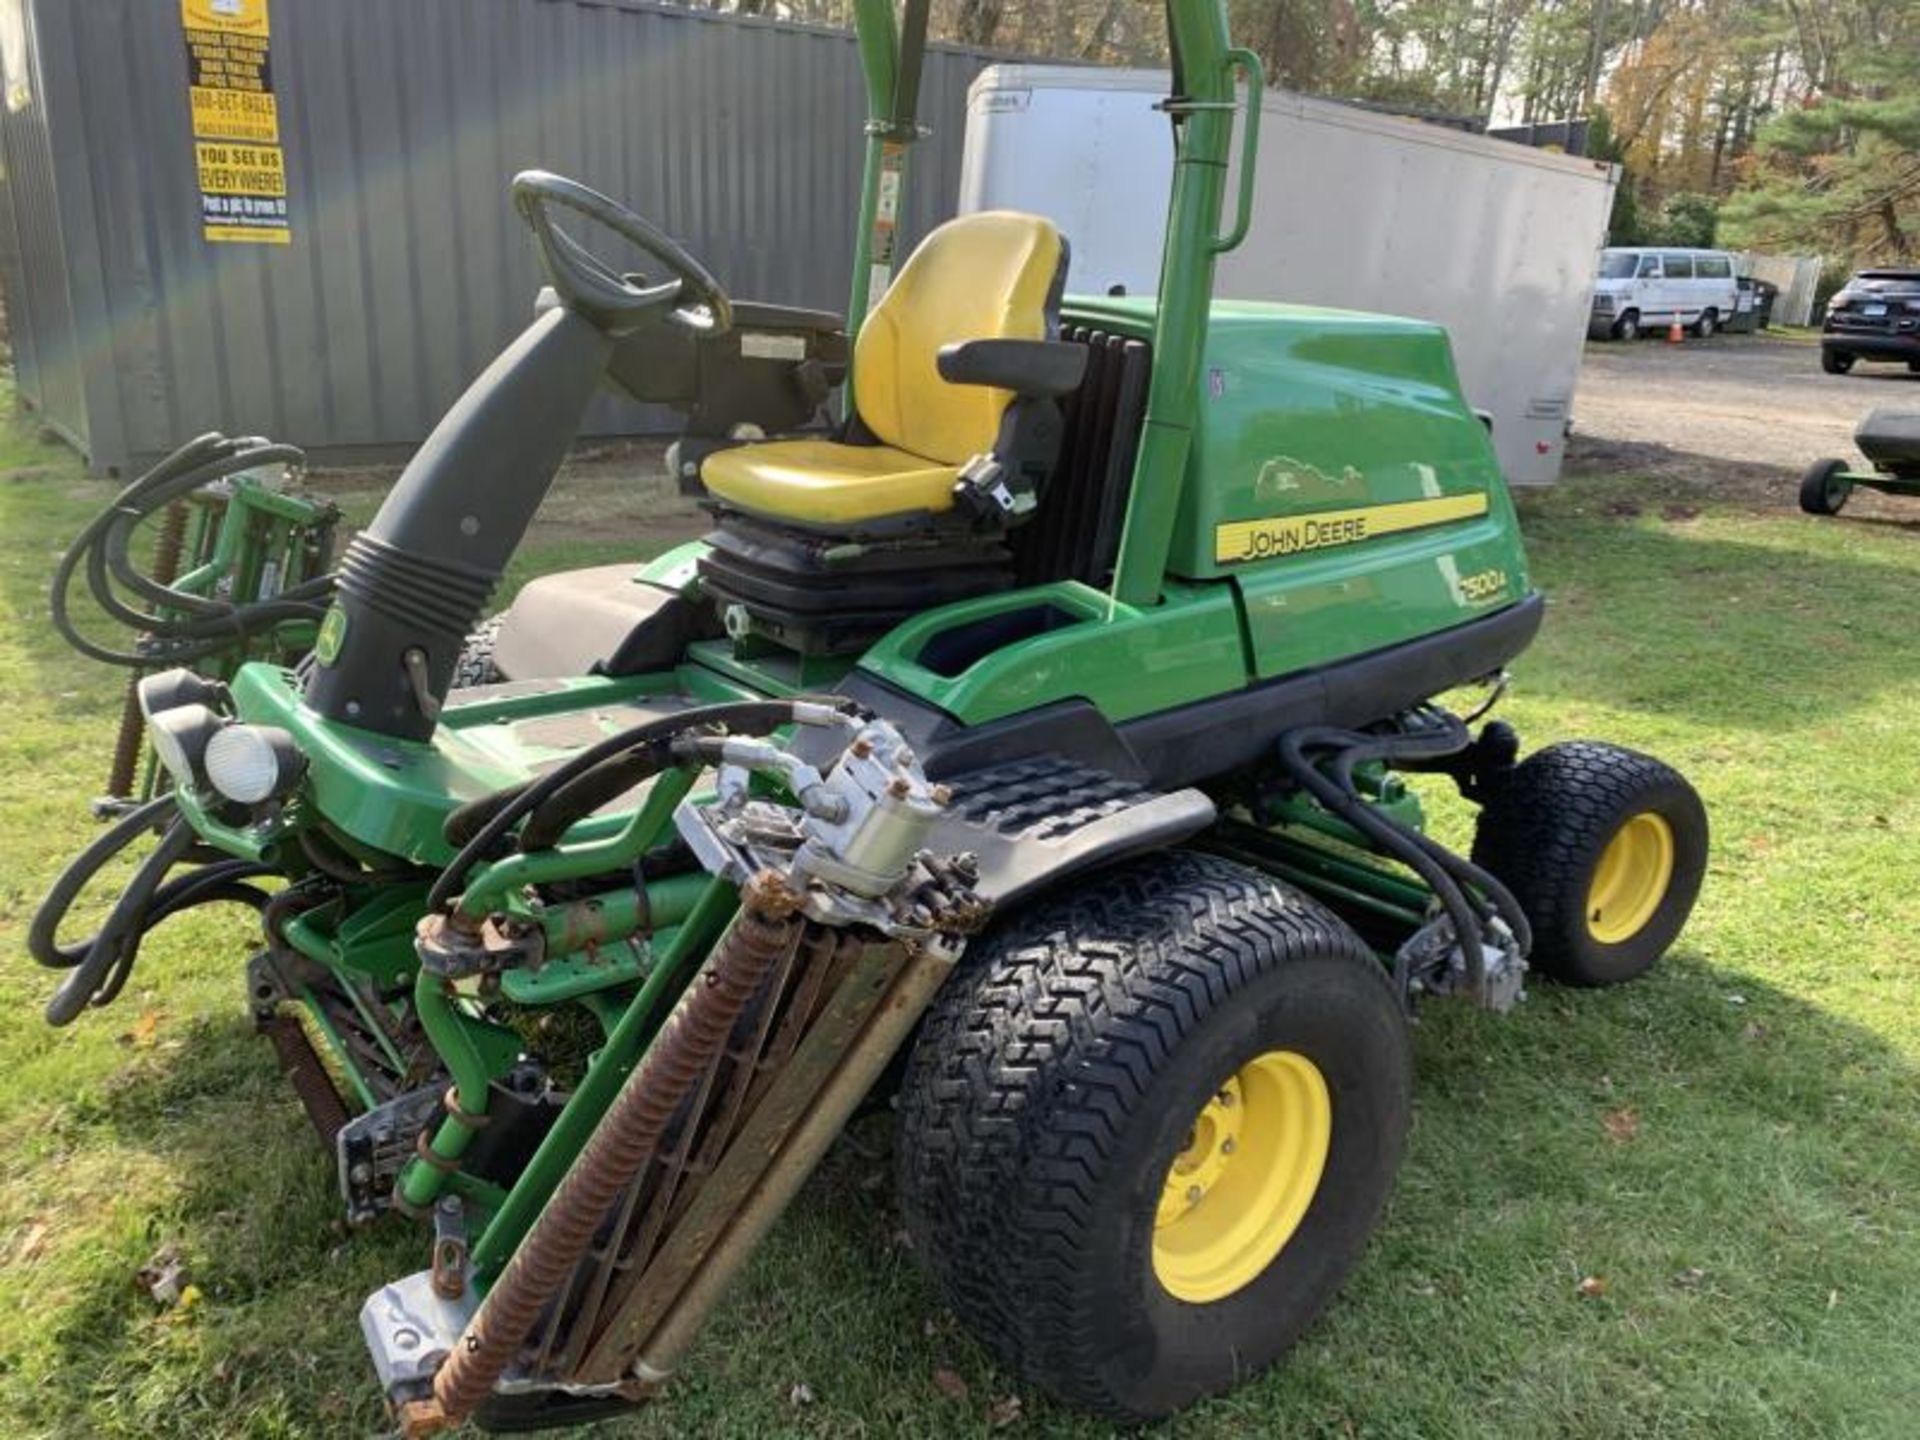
(198, 625)
(1322, 761)
(99, 965)
(587, 781)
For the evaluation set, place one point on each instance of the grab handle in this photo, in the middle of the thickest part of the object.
(1242, 61)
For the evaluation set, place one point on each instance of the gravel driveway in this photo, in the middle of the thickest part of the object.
(1740, 413)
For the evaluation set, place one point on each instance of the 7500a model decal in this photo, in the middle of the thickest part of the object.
(1242, 540)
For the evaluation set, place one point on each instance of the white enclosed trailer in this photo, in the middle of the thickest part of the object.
(1353, 209)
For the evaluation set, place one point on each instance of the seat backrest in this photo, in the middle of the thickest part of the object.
(995, 275)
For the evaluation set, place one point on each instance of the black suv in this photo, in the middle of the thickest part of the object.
(1876, 316)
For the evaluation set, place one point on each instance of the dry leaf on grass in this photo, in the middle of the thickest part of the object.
(1005, 1411)
(31, 1244)
(141, 1032)
(1592, 1286)
(949, 1384)
(1622, 1124)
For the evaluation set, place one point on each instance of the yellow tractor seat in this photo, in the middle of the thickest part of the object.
(820, 483)
(965, 335)
(824, 545)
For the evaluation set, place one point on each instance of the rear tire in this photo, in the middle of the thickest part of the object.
(1707, 324)
(1822, 492)
(1835, 362)
(1102, 1037)
(1605, 849)
(1627, 327)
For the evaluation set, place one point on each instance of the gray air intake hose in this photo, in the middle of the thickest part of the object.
(413, 583)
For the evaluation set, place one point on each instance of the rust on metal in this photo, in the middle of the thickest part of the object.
(309, 1078)
(583, 925)
(651, 1200)
(431, 1158)
(860, 1064)
(421, 1418)
(168, 546)
(626, 1139)
(747, 1156)
(450, 1102)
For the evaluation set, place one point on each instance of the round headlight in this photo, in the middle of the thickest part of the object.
(251, 763)
(180, 739)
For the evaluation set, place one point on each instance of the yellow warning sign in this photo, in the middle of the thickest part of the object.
(240, 17)
(241, 169)
(236, 121)
(235, 114)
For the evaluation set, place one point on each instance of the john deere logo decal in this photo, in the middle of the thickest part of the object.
(1242, 540)
(333, 634)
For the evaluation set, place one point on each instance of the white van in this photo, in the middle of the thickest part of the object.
(1641, 288)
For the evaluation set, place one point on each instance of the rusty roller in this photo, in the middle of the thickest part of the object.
(308, 1076)
(625, 1141)
(168, 547)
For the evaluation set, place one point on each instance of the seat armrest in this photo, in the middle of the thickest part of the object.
(1026, 367)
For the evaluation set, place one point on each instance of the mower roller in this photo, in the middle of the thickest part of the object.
(1045, 712)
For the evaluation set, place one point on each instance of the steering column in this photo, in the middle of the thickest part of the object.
(414, 582)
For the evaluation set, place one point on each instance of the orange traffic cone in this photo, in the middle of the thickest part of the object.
(1675, 334)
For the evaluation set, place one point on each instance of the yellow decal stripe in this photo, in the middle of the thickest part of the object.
(1243, 540)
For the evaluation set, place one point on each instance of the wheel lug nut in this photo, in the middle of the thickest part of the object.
(1194, 1192)
(1227, 1147)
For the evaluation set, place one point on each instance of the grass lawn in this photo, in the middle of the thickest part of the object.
(1686, 1207)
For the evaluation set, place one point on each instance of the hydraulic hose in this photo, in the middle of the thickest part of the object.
(586, 793)
(1469, 895)
(199, 625)
(1499, 900)
(1394, 839)
(487, 820)
(326, 856)
(99, 965)
(108, 957)
(42, 934)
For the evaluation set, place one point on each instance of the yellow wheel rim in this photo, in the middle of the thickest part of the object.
(1242, 1182)
(1631, 879)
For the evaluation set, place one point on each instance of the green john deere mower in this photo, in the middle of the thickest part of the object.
(1050, 725)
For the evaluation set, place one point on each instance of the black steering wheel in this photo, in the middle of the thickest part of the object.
(587, 284)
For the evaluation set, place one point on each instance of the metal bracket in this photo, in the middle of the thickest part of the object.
(410, 1330)
(1433, 962)
(372, 1149)
(455, 948)
(449, 1248)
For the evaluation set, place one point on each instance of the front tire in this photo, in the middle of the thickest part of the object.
(1627, 327)
(1147, 1128)
(475, 666)
(1823, 491)
(1604, 848)
(1836, 362)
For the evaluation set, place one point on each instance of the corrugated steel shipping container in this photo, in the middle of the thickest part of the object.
(401, 123)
